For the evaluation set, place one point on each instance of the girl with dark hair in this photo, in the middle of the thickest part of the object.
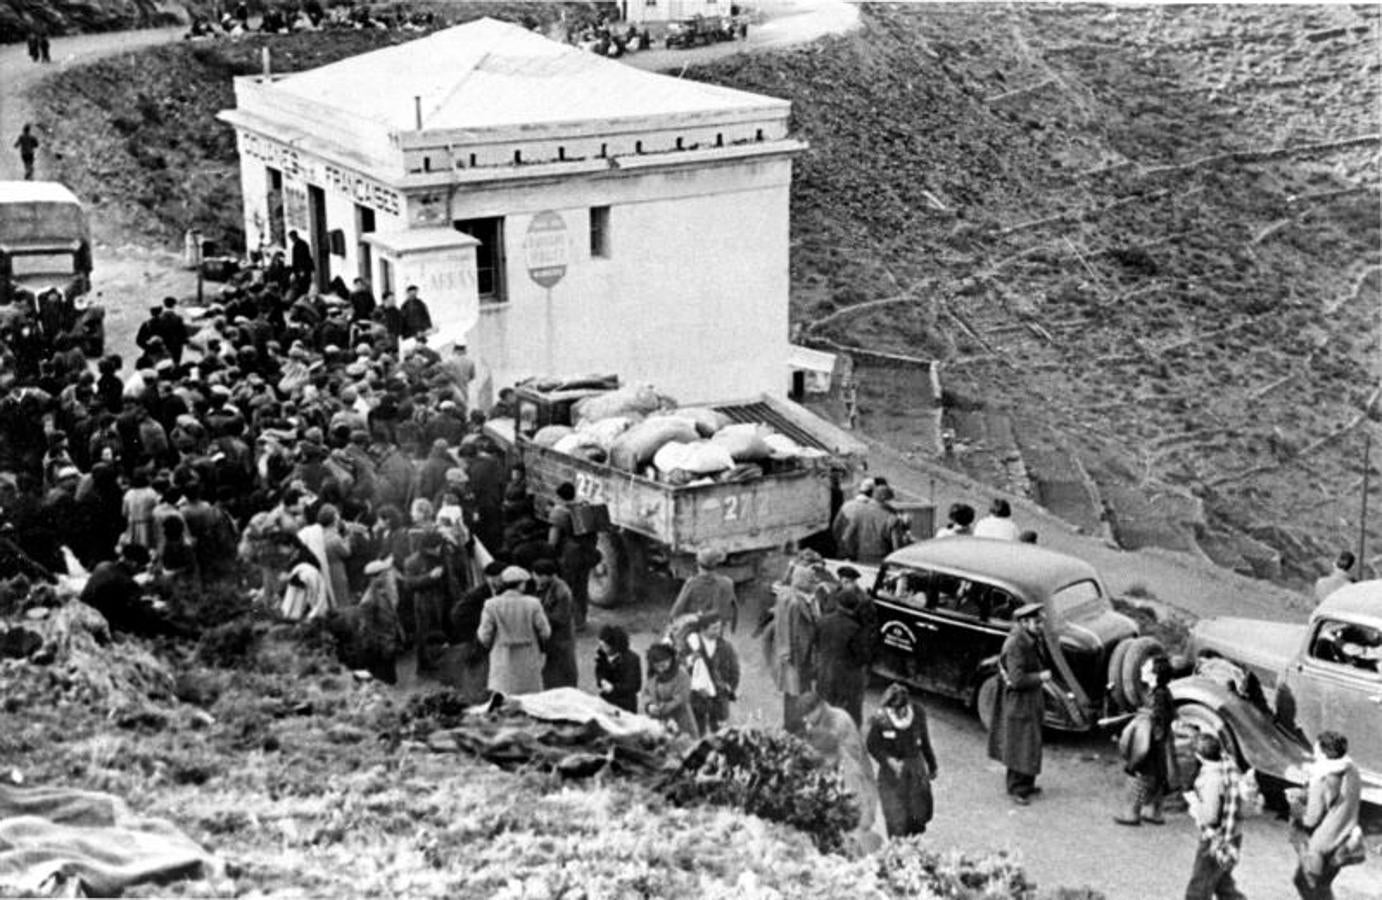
(1150, 759)
(899, 741)
(617, 673)
(667, 692)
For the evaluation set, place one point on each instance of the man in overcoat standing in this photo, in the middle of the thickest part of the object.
(514, 629)
(1015, 740)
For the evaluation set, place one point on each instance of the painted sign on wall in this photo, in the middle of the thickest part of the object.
(300, 166)
(547, 248)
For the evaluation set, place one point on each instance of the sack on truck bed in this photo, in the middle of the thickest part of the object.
(708, 421)
(746, 443)
(604, 432)
(637, 446)
(636, 400)
(699, 458)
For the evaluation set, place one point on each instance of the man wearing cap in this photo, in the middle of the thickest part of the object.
(559, 669)
(514, 629)
(1015, 739)
(708, 591)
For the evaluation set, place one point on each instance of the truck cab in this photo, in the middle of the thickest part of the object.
(45, 262)
(1323, 675)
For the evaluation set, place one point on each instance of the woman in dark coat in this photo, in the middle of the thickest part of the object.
(899, 741)
(842, 657)
(1152, 772)
(617, 672)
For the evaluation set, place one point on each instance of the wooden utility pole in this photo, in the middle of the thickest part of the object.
(1363, 516)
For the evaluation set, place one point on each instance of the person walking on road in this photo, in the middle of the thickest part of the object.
(899, 741)
(1214, 807)
(27, 144)
(1015, 740)
(1324, 816)
(1150, 756)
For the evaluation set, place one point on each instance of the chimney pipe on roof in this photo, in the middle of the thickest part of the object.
(417, 110)
(264, 56)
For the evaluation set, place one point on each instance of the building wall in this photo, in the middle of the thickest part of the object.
(692, 298)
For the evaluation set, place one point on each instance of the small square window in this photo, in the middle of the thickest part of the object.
(599, 232)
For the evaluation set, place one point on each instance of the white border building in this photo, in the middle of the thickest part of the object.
(562, 213)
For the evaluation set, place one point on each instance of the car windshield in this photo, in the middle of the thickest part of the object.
(30, 264)
(1077, 600)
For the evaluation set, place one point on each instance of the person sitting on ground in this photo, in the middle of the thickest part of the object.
(960, 521)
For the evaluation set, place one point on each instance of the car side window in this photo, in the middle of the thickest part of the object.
(1348, 644)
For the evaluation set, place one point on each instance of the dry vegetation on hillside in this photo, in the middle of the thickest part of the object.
(1147, 236)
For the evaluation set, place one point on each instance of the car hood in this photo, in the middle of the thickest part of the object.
(1257, 643)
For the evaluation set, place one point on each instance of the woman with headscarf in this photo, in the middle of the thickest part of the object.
(667, 691)
(899, 741)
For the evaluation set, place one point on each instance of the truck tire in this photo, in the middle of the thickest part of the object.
(984, 701)
(1117, 699)
(609, 579)
(1139, 651)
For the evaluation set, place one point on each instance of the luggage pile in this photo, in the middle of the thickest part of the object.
(636, 429)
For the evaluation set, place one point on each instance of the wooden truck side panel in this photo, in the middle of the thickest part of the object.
(754, 515)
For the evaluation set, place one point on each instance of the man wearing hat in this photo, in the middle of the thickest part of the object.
(843, 651)
(1015, 739)
(515, 630)
(708, 591)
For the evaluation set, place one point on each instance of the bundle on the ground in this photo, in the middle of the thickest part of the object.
(89, 844)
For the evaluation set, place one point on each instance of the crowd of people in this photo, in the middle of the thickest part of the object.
(311, 15)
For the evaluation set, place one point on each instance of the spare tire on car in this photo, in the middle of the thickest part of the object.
(1138, 653)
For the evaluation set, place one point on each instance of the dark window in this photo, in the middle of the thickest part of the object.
(604, 150)
(637, 146)
(758, 135)
(489, 257)
(385, 277)
(599, 232)
(719, 139)
(275, 233)
(561, 153)
(680, 144)
(517, 156)
(335, 239)
(364, 224)
(472, 160)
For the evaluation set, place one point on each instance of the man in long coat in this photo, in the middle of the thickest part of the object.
(790, 648)
(514, 629)
(559, 669)
(842, 657)
(1015, 740)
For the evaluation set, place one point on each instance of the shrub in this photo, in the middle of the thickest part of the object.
(771, 775)
(907, 868)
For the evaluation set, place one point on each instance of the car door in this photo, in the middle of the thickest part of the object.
(966, 631)
(904, 597)
(1337, 686)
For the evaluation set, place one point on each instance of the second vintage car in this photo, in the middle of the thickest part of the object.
(1303, 678)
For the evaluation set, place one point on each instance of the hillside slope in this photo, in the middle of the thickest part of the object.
(1148, 237)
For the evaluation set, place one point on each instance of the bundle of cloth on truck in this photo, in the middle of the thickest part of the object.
(636, 429)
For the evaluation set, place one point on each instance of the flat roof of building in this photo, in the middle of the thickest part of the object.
(492, 74)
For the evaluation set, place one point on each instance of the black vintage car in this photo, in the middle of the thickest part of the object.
(945, 607)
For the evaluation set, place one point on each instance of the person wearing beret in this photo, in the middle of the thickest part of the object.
(515, 630)
(1015, 740)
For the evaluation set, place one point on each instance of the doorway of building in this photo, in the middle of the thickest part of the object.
(320, 241)
(489, 257)
(274, 230)
(364, 256)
